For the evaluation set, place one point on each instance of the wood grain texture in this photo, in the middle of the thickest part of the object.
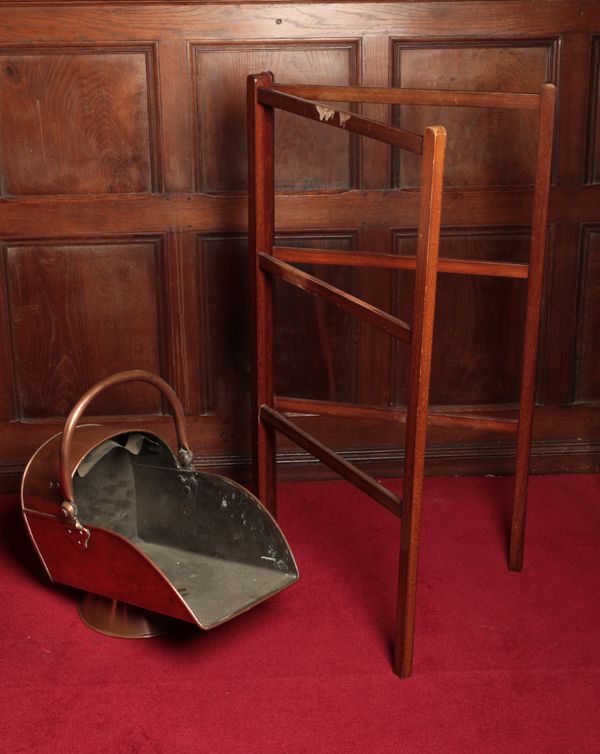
(417, 402)
(594, 127)
(573, 109)
(182, 349)
(414, 97)
(8, 397)
(559, 316)
(328, 161)
(261, 237)
(343, 119)
(223, 322)
(385, 413)
(588, 363)
(485, 147)
(79, 311)
(502, 19)
(472, 358)
(376, 211)
(78, 121)
(330, 363)
(395, 262)
(533, 310)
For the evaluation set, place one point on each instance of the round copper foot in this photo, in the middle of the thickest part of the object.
(114, 618)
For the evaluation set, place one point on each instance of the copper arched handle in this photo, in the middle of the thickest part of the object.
(133, 375)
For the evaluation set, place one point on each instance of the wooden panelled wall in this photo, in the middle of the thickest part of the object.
(123, 218)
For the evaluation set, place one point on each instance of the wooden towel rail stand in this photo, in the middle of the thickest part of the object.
(269, 261)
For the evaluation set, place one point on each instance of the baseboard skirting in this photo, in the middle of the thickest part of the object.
(547, 457)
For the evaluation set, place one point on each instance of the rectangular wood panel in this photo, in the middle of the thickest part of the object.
(485, 147)
(307, 156)
(317, 345)
(559, 314)
(479, 320)
(588, 373)
(78, 121)
(594, 130)
(224, 325)
(8, 403)
(79, 312)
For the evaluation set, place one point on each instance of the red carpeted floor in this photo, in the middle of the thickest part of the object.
(504, 662)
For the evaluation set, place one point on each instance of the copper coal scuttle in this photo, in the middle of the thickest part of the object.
(122, 518)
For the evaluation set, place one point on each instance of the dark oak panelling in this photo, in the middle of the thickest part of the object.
(325, 160)
(31, 217)
(78, 121)
(147, 100)
(79, 312)
(588, 374)
(485, 147)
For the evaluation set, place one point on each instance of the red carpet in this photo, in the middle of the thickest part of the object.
(504, 662)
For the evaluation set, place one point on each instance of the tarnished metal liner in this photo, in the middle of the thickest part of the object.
(119, 515)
